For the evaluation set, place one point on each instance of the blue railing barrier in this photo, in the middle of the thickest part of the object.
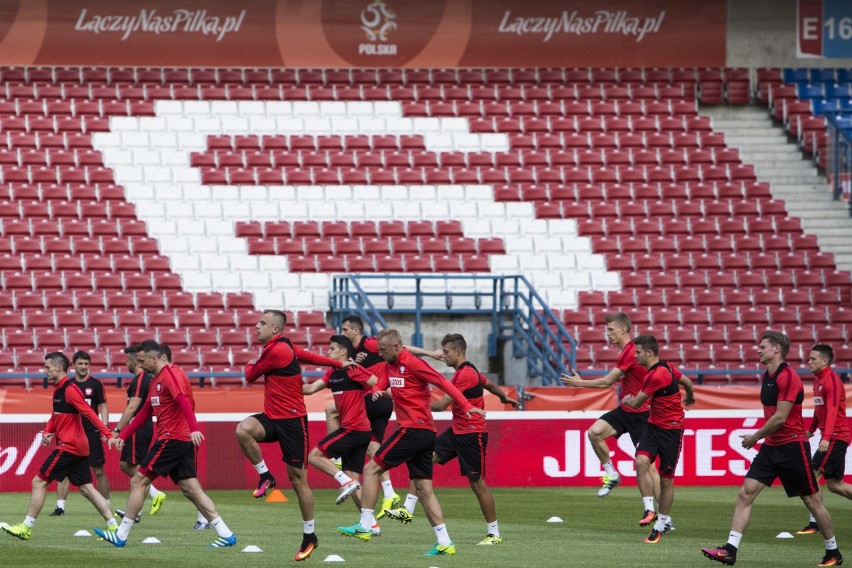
(839, 153)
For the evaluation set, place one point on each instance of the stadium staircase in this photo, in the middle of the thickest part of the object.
(176, 202)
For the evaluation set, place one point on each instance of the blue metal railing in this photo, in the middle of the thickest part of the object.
(839, 152)
(518, 313)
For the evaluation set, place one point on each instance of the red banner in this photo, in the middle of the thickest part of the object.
(364, 33)
(525, 450)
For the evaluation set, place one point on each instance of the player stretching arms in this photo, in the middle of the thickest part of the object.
(284, 418)
(351, 439)
(830, 418)
(71, 457)
(174, 451)
(378, 410)
(623, 419)
(413, 443)
(467, 437)
(138, 444)
(663, 434)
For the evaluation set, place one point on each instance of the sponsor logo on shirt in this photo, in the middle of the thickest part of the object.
(155, 400)
(818, 400)
(397, 382)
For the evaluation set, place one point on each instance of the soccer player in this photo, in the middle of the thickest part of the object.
(93, 391)
(351, 439)
(71, 457)
(830, 418)
(284, 418)
(784, 453)
(137, 446)
(173, 452)
(663, 434)
(467, 437)
(413, 443)
(623, 419)
(379, 410)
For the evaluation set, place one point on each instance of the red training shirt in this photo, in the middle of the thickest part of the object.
(830, 407)
(282, 387)
(634, 376)
(409, 381)
(347, 385)
(785, 385)
(167, 400)
(664, 392)
(470, 382)
(66, 421)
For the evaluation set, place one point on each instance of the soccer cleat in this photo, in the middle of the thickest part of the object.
(725, 554)
(442, 550)
(388, 503)
(654, 537)
(338, 463)
(200, 526)
(223, 541)
(111, 537)
(157, 502)
(20, 530)
(831, 558)
(120, 513)
(810, 528)
(376, 530)
(490, 540)
(357, 531)
(346, 491)
(110, 528)
(401, 514)
(309, 544)
(264, 485)
(650, 517)
(608, 484)
(57, 512)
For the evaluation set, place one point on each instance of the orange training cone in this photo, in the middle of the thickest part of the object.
(276, 496)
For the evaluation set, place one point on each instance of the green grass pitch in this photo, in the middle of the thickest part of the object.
(595, 532)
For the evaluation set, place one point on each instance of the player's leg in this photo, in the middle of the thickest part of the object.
(665, 506)
(61, 498)
(826, 527)
(37, 498)
(379, 412)
(646, 484)
(390, 499)
(332, 418)
(489, 511)
(249, 433)
(811, 527)
(839, 487)
(94, 496)
(102, 481)
(598, 434)
(299, 480)
(138, 488)
(435, 515)
(607, 426)
(750, 489)
(191, 489)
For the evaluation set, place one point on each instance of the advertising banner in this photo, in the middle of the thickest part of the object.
(527, 449)
(364, 33)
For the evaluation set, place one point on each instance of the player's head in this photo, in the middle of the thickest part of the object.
(390, 345)
(647, 350)
(167, 351)
(773, 347)
(271, 323)
(617, 326)
(130, 358)
(56, 365)
(821, 356)
(340, 348)
(454, 347)
(82, 363)
(151, 356)
(352, 327)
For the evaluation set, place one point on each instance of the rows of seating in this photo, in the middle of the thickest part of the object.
(606, 187)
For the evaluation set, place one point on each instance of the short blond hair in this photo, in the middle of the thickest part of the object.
(619, 318)
(392, 335)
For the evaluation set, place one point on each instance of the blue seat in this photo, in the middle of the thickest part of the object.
(844, 75)
(838, 91)
(810, 91)
(794, 75)
(822, 75)
(820, 107)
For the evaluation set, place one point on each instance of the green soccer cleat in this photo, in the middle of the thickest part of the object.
(388, 503)
(490, 540)
(157, 502)
(401, 514)
(442, 550)
(20, 530)
(356, 531)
